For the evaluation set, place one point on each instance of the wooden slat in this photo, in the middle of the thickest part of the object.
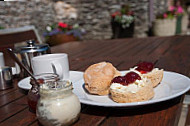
(92, 116)
(24, 118)
(10, 97)
(188, 118)
(137, 115)
(13, 108)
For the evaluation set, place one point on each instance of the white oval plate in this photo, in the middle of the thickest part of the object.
(172, 85)
(74, 76)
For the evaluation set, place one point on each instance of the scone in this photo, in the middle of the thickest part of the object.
(131, 88)
(155, 76)
(147, 70)
(97, 78)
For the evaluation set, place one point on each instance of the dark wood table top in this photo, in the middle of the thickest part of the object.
(169, 53)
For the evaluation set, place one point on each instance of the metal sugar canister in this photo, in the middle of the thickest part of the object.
(26, 53)
(6, 78)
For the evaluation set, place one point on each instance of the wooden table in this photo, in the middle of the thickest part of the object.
(169, 53)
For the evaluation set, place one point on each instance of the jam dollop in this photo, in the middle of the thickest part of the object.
(120, 79)
(132, 77)
(127, 79)
(40, 80)
(145, 67)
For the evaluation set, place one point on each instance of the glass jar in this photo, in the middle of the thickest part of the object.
(33, 93)
(57, 105)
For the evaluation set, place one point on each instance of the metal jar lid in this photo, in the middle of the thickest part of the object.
(32, 47)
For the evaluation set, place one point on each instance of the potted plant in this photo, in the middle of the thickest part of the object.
(165, 24)
(62, 32)
(122, 23)
(179, 15)
(184, 23)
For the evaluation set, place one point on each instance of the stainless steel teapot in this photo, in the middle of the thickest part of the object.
(26, 53)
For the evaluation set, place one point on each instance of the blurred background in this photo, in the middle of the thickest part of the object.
(96, 19)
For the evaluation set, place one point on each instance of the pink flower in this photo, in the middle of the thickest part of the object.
(171, 8)
(165, 15)
(62, 25)
(179, 9)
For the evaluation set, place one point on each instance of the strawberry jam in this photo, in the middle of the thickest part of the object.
(132, 77)
(127, 79)
(145, 67)
(120, 79)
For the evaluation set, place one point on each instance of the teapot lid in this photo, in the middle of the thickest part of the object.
(32, 47)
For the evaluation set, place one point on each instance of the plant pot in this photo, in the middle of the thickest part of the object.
(178, 24)
(59, 39)
(120, 32)
(184, 23)
(164, 27)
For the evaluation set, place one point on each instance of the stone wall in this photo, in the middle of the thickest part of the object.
(92, 15)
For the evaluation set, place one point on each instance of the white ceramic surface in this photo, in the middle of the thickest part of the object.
(74, 77)
(49, 63)
(172, 85)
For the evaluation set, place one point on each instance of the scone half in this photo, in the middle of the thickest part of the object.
(155, 76)
(97, 78)
(99, 87)
(132, 92)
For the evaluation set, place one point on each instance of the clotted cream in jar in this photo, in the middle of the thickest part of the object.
(57, 105)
